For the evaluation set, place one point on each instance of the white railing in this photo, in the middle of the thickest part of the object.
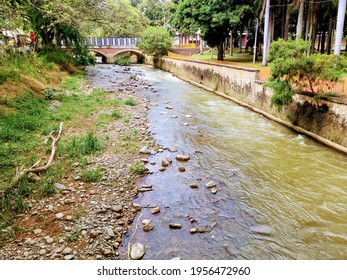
(108, 42)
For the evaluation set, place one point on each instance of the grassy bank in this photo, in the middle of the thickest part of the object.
(33, 103)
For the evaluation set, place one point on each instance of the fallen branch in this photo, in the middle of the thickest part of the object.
(34, 168)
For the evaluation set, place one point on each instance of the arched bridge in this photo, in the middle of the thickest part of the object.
(109, 48)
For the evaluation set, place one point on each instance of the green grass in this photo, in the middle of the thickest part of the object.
(82, 145)
(130, 102)
(91, 176)
(138, 168)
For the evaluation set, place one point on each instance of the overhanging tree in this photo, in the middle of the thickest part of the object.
(214, 18)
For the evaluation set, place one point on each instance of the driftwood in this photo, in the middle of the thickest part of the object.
(34, 168)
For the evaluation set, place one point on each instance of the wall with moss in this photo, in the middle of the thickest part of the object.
(321, 118)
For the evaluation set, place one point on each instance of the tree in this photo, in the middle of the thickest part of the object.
(158, 12)
(292, 71)
(156, 41)
(214, 18)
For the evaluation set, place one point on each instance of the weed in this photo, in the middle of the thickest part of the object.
(91, 175)
(130, 102)
(83, 145)
(74, 234)
(138, 168)
(122, 61)
(116, 114)
(78, 214)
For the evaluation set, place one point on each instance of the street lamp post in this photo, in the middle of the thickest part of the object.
(255, 41)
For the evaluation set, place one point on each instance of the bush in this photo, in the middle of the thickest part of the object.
(155, 41)
(293, 71)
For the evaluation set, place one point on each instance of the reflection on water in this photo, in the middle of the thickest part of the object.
(266, 175)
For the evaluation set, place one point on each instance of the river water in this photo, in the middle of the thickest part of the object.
(280, 194)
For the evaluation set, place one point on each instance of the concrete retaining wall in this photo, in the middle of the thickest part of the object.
(326, 121)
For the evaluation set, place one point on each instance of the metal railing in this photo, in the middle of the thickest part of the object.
(108, 42)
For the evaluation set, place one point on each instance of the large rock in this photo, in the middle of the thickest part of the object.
(182, 157)
(137, 251)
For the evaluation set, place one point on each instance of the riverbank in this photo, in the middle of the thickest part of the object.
(89, 206)
(321, 119)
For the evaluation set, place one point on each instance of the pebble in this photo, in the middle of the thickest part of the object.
(59, 216)
(146, 221)
(37, 231)
(59, 186)
(211, 184)
(194, 186)
(162, 168)
(49, 240)
(68, 257)
(181, 169)
(182, 158)
(175, 226)
(67, 251)
(155, 210)
(214, 190)
(165, 162)
(110, 232)
(148, 227)
(137, 206)
(169, 107)
(117, 208)
(137, 251)
(193, 230)
(43, 252)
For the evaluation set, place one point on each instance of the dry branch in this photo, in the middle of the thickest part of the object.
(34, 168)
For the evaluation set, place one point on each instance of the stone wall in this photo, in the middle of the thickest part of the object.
(325, 121)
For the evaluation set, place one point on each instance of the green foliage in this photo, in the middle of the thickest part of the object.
(138, 168)
(122, 60)
(85, 145)
(293, 71)
(130, 102)
(91, 175)
(116, 114)
(155, 41)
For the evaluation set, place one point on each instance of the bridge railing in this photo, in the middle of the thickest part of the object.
(108, 42)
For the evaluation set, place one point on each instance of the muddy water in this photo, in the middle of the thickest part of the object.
(280, 194)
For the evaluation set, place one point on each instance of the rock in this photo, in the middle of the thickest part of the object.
(174, 116)
(185, 124)
(169, 107)
(175, 226)
(146, 221)
(67, 251)
(144, 160)
(188, 116)
(117, 209)
(155, 210)
(29, 241)
(69, 201)
(59, 215)
(152, 162)
(93, 233)
(193, 230)
(137, 206)
(106, 251)
(137, 251)
(49, 240)
(182, 158)
(194, 186)
(162, 168)
(214, 190)
(68, 257)
(211, 184)
(262, 230)
(181, 169)
(148, 227)
(165, 162)
(59, 186)
(37, 231)
(110, 232)
(43, 252)
(176, 259)
(145, 150)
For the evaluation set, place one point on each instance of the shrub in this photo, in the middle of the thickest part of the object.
(130, 102)
(138, 168)
(155, 41)
(293, 71)
(91, 175)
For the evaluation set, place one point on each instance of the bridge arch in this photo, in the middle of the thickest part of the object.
(103, 56)
(138, 53)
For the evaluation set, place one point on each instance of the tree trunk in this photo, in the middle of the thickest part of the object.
(220, 49)
(314, 26)
(300, 25)
(231, 43)
(286, 23)
(330, 32)
(241, 31)
(322, 49)
(266, 32)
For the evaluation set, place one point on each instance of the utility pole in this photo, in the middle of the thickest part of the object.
(255, 41)
(266, 32)
(339, 26)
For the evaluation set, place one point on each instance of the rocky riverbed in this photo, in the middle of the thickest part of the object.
(89, 220)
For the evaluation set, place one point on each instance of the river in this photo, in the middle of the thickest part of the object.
(280, 195)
